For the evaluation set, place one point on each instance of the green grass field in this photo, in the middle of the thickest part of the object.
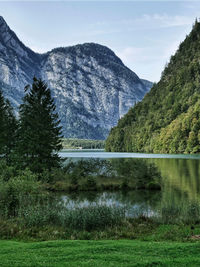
(98, 253)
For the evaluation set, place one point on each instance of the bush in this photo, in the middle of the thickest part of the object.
(7, 172)
(89, 184)
(14, 192)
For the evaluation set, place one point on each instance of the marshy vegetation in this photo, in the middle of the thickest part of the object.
(27, 203)
(29, 211)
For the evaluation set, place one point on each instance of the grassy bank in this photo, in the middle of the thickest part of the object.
(98, 253)
(141, 228)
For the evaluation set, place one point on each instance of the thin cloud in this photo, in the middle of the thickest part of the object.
(131, 54)
(147, 21)
(164, 20)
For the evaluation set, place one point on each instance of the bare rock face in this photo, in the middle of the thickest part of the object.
(91, 86)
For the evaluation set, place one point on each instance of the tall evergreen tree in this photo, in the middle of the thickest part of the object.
(39, 135)
(8, 127)
(11, 132)
(2, 124)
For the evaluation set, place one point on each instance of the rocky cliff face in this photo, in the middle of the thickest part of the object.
(91, 86)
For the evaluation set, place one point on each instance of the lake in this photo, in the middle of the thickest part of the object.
(180, 183)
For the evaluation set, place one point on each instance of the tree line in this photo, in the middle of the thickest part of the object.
(34, 138)
(74, 143)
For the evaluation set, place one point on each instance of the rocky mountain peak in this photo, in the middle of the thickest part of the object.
(91, 50)
(91, 86)
(2, 21)
(4, 30)
(8, 39)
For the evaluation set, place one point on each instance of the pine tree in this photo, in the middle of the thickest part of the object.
(8, 127)
(39, 135)
(2, 124)
(11, 132)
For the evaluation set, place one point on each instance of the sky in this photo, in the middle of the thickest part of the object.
(144, 34)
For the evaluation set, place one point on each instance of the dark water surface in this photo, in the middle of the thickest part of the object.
(180, 183)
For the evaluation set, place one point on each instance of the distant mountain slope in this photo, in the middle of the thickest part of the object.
(92, 88)
(148, 84)
(167, 120)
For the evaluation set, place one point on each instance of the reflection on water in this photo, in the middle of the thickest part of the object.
(181, 179)
(135, 202)
(180, 187)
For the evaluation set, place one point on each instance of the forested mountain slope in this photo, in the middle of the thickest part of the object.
(167, 120)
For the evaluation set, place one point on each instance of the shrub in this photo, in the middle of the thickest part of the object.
(90, 184)
(14, 191)
(6, 172)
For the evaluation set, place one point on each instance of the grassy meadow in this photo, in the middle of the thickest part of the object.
(121, 253)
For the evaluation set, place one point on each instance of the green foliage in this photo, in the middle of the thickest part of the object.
(8, 127)
(15, 191)
(21, 199)
(167, 119)
(11, 132)
(2, 123)
(6, 171)
(99, 174)
(39, 133)
(172, 213)
(137, 173)
(90, 184)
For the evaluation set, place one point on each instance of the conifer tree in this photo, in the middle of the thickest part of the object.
(39, 134)
(8, 128)
(11, 132)
(2, 124)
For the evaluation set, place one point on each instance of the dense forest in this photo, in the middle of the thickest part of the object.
(167, 119)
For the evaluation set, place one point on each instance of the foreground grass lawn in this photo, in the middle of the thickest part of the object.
(98, 253)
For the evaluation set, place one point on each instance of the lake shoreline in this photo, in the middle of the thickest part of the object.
(102, 154)
(63, 187)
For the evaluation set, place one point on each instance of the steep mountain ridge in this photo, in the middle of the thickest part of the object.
(167, 120)
(16, 58)
(91, 86)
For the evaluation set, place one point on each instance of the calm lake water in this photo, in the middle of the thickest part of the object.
(180, 183)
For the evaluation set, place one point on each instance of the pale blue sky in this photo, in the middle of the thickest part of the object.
(143, 34)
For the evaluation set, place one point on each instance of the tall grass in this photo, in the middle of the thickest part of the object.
(179, 214)
(76, 218)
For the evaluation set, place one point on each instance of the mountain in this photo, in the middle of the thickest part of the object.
(148, 84)
(167, 120)
(91, 86)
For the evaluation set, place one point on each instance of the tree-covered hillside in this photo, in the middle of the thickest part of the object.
(167, 120)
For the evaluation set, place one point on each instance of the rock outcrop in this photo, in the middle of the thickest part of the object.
(92, 87)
